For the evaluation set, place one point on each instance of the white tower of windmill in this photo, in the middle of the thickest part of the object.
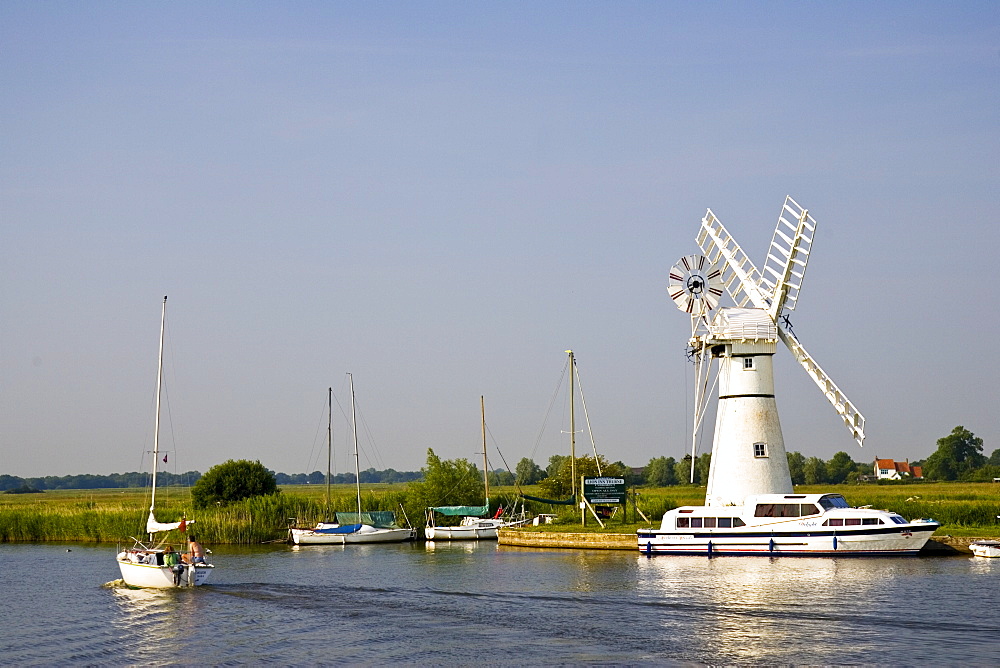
(748, 452)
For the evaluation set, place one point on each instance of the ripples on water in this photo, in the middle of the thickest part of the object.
(483, 604)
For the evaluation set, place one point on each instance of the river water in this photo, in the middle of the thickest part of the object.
(472, 604)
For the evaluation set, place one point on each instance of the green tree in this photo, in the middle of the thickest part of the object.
(560, 485)
(958, 454)
(702, 468)
(994, 459)
(231, 481)
(555, 463)
(660, 472)
(528, 472)
(449, 482)
(814, 471)
(682, 470)
(838, 468)
(501, 478)
(796, 467)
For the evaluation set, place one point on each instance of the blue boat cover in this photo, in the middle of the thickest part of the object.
(347, 528)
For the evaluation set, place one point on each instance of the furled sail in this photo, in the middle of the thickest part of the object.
(152, 526)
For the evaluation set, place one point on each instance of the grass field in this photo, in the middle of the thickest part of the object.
(113, 515)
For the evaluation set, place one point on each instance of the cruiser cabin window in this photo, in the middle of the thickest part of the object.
(709, 522)
(831, 501)
(784, 510)
(759, 450)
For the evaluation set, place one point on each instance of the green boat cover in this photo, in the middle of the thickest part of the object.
(462, 510)
(383, 519)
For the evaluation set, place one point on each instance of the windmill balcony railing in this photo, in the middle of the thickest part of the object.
(746, 332)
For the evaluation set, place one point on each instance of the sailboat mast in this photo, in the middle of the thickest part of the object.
(159, 388)
(486, 479)
(572, 421)
(357, 465)
(329, 446)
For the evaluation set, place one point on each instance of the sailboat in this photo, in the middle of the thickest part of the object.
(158, 566)
(473, 526)
(327, 533)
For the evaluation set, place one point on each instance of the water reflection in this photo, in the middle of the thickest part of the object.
(467, 546)
(985, 565)
(782, 609)
(444, 604)
(155, 623)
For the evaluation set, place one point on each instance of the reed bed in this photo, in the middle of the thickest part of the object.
(111, 516)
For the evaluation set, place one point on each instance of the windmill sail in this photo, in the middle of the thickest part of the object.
(852, 418)
(787, 257)
(786, 267)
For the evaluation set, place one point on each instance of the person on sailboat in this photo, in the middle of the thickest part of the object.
(196, 554)
(170, 558)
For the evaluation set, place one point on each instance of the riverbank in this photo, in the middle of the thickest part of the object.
(965, 510)
(937, 546)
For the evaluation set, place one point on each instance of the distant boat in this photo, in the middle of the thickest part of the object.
(472, 526)
(335, 533)
(159, 566)
(985, 548)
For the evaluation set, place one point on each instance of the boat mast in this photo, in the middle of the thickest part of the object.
(486, 479)
(572, 422)
(156, 426)
(357, 465)
(329, 447)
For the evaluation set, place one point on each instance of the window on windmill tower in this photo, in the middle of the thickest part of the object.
(760, 449)
(748, 364)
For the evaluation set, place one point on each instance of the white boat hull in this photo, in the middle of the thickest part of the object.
(785, 525)
(902, 540)
(470, 532)
(986, 548)
(366, 534)
(152, 576)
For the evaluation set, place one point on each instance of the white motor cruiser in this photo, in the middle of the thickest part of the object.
(785, 525)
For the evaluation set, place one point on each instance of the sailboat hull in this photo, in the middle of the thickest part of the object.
(471, 528)
(366, 534)
(152, 576)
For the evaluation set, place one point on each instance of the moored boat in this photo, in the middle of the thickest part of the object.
(357, 530)
(985, 548)
(785, 525)
(472, 526)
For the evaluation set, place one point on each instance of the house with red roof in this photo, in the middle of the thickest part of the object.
(887, 469)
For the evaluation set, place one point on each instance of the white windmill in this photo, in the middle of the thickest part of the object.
(748, 452)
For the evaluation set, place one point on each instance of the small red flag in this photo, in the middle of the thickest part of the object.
(164, 459)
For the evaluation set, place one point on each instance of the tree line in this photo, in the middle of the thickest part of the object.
(10, 483)
(959, 456)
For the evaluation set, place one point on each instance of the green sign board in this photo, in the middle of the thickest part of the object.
(604, 490)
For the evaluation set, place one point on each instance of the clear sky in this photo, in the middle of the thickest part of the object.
(442, 197)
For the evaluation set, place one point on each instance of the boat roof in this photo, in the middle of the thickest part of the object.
(766, 498)
(787, 498)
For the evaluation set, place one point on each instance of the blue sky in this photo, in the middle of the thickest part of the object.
(441, 198)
